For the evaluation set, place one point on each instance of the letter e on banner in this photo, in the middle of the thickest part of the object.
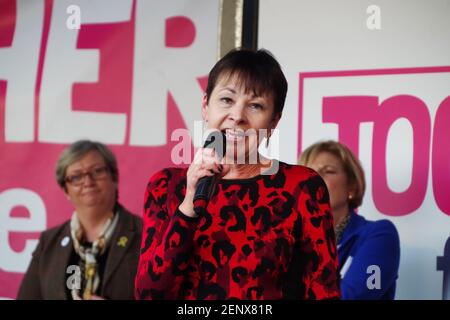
(11, 261)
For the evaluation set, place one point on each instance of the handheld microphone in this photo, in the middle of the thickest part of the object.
(216, 140)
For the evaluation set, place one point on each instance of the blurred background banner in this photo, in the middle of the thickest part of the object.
(374, 75)
(129, 75)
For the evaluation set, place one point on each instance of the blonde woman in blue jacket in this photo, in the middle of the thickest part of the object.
(368, 251)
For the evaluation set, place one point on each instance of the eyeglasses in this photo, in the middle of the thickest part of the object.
(95, 174)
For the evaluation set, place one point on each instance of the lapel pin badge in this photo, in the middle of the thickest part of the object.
(122, 241)
(65, 241)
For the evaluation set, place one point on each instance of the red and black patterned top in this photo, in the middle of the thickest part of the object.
(267, 237)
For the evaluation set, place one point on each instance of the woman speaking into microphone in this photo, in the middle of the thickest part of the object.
(259, 233)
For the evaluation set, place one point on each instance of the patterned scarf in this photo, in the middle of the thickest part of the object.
(89, 255)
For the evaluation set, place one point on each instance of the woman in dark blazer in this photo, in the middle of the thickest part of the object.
(95, 254)
(368, 251)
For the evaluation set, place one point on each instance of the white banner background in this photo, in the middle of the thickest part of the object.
(316, 36)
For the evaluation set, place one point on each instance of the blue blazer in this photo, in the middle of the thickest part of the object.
(365, 246)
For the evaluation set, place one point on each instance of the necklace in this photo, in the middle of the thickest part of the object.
(340, 227)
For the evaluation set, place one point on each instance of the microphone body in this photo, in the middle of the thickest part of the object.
(216, 140)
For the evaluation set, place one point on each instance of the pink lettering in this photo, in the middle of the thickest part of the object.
(337, 110)
(441, 156)
(180, 32)
(349, 112)
(416, 112)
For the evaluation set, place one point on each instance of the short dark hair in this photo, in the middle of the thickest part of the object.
(258, 70)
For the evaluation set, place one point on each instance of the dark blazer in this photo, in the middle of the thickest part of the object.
(46, 274)
(366, 246)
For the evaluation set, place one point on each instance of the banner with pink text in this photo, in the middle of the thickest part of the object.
(127, 73)
(375, 75)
